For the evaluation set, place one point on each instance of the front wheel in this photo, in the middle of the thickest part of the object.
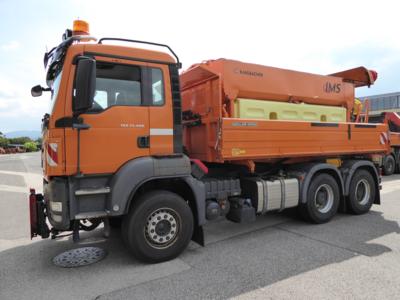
(158, 227)
(323, 198)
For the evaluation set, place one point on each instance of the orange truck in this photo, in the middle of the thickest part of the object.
(391, 161)
(132, 143)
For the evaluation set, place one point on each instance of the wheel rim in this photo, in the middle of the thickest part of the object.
(389, 166)
(162, 228)
(363, 192)
(323, 198)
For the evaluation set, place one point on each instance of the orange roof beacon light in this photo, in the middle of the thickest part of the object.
(80, 27)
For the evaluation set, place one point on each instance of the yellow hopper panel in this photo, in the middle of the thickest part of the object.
(273, 110)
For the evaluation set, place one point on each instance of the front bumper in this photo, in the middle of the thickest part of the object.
(57, 205)
(52, 205)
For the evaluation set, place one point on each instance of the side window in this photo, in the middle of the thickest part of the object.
(157, 87)
(101, 98)
(117, 85)
(125, 85)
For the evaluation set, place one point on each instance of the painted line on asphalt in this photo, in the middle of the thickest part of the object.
(32, 180)
(13, 189)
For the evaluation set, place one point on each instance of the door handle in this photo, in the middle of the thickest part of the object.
(143, 141)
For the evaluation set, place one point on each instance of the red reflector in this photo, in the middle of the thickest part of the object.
(33, 212)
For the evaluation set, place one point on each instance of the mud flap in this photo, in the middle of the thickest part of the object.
(37, 211)
(198, 235)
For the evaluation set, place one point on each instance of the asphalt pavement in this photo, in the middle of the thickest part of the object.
(277, 257)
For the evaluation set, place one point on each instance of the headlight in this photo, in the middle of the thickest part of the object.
(56, 206)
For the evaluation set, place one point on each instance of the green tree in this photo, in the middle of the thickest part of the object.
(30, 146)
(39, 143)
(3, 141)
(20, 140)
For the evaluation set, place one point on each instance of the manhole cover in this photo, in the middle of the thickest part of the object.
(79, 257)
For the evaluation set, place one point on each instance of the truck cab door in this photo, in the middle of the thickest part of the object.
(119, 119)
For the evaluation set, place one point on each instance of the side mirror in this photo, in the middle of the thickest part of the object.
(85, 85)
(37, 90)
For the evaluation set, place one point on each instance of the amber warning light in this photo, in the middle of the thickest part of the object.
(80, 27)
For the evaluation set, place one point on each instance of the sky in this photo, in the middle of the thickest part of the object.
(312, 36)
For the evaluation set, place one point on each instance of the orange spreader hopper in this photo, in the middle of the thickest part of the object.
(209, 90)
(243, 80)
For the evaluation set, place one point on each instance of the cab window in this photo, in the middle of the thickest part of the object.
(117, 85)
(126, 85)
(54, 91)
(157, 87)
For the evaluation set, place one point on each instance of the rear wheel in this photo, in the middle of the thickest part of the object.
(159, 226)
(362, 192)
(323, 198)
(389, 165)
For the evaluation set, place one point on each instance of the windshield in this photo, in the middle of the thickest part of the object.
(54, 91)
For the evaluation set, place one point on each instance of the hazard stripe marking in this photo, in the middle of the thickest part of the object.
(52, 155)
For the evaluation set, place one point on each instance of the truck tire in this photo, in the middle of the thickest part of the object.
(158, 227)
(323, 198)
(389, 165)
(362, 192)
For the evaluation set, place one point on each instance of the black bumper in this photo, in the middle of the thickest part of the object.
(56, 198)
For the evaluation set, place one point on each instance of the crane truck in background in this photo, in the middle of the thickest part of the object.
(391, 161)
(129, 140)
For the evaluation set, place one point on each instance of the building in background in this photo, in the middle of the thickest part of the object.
(383, 102)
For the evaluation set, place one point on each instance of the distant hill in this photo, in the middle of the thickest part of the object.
(32, 134)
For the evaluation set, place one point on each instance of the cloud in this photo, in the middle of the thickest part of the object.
(17, 108)
(6, 94)
(12, 45)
